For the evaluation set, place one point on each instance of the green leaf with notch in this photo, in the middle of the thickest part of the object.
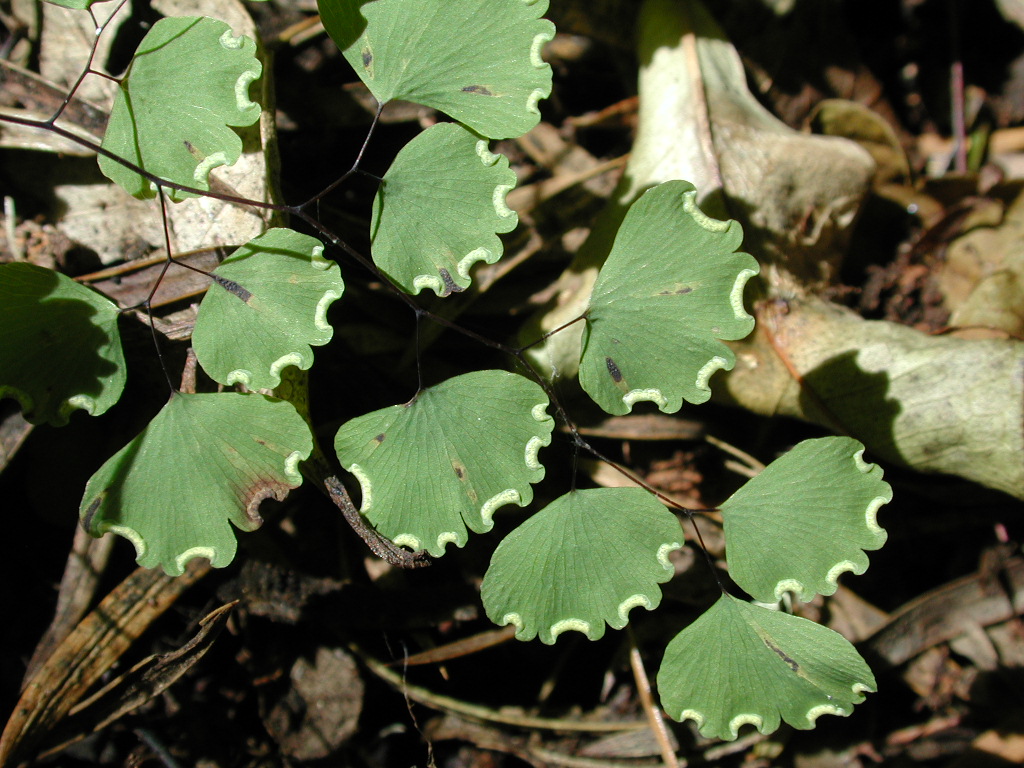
(805, 520)
(203, 461)
(586, 559)
(476, 60)
(448, 459)
(52, 324)
(741, 664)
(266, 310)
(173, 113)
(438, 210)
(671, 288)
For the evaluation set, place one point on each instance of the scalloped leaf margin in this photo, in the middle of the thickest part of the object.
(51, 323)
(805, 520)
(267, 310)
(448, 459)
(437, 212)
(742, 664)
(585, 560)
(478, 61)
(173, 114)
(206, 461)
(669, 292)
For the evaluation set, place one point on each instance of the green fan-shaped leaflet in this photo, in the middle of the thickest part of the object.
(476, 60)
(267, 306)
(189, 81)
(204, 460)
(587, 558)
(60, 349)
(438, 210)
(805, 520)
(448, 459)
(671, 288)
(742, 664)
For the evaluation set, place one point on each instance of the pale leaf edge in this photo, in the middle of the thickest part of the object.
(805, 593)
(244, 376)
(509, 220)
(548, 635)
(487, 509)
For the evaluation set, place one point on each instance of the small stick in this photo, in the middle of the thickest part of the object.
(643, 687)
(382, 547)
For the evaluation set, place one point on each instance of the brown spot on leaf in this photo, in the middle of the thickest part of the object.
(450, 286)
(482, 90)
(367, 56)
(677, 292)
(613, 369)
(90, 513)
(379, 438)
(253, 496)
(232, 287)
(782, 655)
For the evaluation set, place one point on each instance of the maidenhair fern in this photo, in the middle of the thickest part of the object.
(819, 529)
(435, 468)
(203, 461)
(743, 664)
(50, 317)
(486, 71)
(675, 270)
(448, 460)
(278, 316)
(586, 559)
(173, 114)
(438, 209)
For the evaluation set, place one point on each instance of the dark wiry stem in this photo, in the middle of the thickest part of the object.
(380, 546)
(88, 70)
(355, 166)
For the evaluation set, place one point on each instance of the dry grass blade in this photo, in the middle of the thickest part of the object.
(486, 714)
(85, 564)
(654, 716)
(463, 647)
(87, 653)
(141, 683)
